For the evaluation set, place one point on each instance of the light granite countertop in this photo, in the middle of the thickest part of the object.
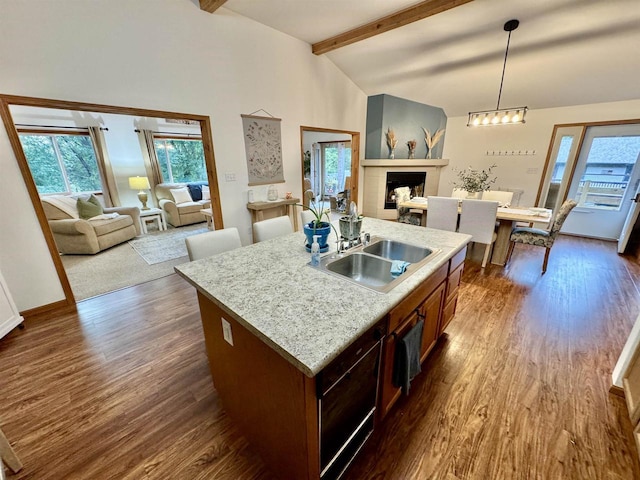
(307, 315)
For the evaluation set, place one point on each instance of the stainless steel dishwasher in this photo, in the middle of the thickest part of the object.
(347, 393)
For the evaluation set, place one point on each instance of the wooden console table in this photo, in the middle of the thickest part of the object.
(285, 206)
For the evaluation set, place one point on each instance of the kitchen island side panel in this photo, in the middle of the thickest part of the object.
(272, 402)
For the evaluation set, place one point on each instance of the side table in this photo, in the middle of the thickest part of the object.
(208, 214)
(152, 215)
(285, 205)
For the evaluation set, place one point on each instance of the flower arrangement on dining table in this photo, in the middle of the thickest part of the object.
(474, 181)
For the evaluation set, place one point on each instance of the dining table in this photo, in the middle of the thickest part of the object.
(507, 218)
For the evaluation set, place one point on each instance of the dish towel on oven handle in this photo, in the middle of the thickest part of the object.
(407, 357)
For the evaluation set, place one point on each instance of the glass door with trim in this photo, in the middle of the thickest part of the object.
(605, 180)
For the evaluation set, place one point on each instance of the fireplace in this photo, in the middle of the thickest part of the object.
(414, 180)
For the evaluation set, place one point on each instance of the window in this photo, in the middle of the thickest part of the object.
(181, 160)
(61, 163)
(337, 166)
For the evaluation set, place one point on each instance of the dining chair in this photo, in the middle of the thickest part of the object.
(271, 228)
(210, 243)
(306, 216)
(405, 215)
(540, 237)
(442, 213)
(459, 193)
(478, 219)
(503, 198)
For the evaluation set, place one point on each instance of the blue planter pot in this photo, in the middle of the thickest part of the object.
(324, 229)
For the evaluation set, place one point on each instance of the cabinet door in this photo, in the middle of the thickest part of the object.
(389, 392)
(453, 282)
(431, 311)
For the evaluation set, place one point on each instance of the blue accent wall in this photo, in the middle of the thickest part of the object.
(406, 118)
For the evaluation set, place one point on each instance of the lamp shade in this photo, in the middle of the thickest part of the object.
(139, 183)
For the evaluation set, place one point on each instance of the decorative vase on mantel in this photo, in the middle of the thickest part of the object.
(392, 153)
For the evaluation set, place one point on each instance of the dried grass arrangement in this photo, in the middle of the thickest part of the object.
(392, 141)
(430, 140)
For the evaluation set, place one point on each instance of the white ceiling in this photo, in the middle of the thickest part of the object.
(565, 52)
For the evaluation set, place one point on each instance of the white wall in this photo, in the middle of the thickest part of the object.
(164, 55)
(466, 146)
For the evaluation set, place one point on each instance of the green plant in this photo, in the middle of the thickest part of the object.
(473, 180)
(319, 213)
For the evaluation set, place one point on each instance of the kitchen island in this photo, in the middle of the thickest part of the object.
(281, 335)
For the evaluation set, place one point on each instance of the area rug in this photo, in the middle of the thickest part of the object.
(158, 247)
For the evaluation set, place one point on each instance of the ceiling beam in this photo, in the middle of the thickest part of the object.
(211, 5)
(398, 19)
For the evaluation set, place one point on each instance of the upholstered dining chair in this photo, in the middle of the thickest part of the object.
(503, 198)
(210, 243)
(442, 213)
(478, 219)
(405, 215)
(539, 237)
(271, 228)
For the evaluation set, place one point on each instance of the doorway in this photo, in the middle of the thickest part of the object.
(605, 180)
(595, 165)
(330, 166)
(77, 110)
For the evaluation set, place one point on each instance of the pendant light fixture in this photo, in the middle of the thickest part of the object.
(504, 116)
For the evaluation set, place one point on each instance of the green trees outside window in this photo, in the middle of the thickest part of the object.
(181, 160)
(61, 163)
(337, 166)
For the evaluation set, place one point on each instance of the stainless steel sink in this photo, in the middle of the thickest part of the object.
(370, 266)
(367, 270)
(394, 250)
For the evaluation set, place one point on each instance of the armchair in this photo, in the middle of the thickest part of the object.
(179, 214)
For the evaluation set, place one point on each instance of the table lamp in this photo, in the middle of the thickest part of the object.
(140, 183)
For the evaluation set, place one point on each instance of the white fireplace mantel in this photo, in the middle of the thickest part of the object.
(404, 162)
(375, 180)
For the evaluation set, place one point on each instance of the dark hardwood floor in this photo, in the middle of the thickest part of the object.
(517, 389)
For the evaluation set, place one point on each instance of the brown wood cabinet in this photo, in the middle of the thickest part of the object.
(456, 268)
(435, 302)
(301, 425)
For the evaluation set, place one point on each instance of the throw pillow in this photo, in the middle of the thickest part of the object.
(89, 208)
(181, 195)
(195, 190)
(206, 194)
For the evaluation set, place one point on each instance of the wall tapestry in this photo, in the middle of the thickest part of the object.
(263, 146)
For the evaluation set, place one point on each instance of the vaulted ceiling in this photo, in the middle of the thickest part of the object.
(565, 52)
